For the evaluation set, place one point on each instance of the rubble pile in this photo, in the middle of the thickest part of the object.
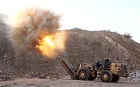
(4, 76)
(135, 76)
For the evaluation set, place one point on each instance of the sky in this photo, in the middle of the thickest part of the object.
(116, 15)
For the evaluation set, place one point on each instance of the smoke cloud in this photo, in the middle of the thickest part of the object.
(32, 24)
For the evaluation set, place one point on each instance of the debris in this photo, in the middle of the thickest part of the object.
(42, 76)
(135, 76)
(31, 75)
(5, 55)
(48, 77)
(4, 77)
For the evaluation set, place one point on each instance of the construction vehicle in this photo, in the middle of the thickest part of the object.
(104, 70)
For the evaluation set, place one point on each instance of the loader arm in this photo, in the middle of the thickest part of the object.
(68, 67)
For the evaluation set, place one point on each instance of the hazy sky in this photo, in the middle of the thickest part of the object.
(115, 15)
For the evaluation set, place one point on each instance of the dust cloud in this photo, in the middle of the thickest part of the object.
(31, 25)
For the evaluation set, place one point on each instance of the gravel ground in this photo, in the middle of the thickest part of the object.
(66, 83)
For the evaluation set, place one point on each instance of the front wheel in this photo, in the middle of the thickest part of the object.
(83, 74)
(106, 76)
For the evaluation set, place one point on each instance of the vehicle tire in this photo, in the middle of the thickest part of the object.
(106, 76)
(83, 74)
(115, 78)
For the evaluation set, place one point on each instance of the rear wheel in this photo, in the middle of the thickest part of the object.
(106, 76)
(83, 74)
(115, 78)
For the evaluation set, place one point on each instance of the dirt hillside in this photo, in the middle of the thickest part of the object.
(81, 46)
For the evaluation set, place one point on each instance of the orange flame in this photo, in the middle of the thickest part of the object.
(47, 46)
(50, 44)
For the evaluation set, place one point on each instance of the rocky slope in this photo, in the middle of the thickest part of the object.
(81, 46)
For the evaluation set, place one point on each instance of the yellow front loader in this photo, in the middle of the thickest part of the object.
(104, 70)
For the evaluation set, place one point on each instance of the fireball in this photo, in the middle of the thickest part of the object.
(47, 46)
(37, 28)
(31, 24)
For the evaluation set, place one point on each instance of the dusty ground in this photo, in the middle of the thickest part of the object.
(66, 83)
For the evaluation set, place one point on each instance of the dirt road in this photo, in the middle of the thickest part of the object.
(66, 83)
